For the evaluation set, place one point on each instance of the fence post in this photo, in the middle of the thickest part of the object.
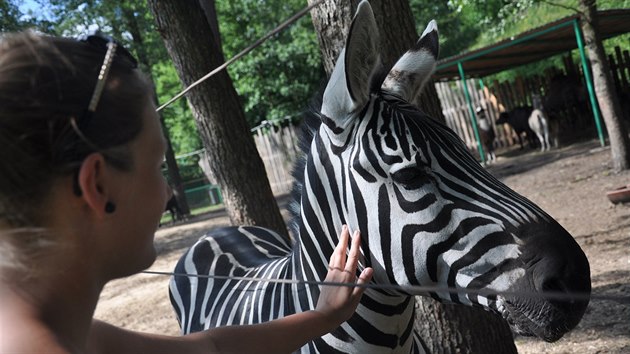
(589, 82)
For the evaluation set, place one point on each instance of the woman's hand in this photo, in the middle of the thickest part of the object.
(338, 303)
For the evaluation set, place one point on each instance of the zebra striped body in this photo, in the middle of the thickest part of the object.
(428, 213)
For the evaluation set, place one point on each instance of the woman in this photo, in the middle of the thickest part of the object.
(81, 195)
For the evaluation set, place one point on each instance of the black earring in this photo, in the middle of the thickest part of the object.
(110, 207)
(75, 184)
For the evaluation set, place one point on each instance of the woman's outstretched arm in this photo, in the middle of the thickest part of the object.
(335, 305)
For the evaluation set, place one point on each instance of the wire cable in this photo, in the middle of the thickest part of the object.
(260, 41)
(415, 289)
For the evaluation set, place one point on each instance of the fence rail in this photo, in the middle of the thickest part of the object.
(496, 97)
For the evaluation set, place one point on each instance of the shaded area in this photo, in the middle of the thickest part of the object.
(604, 327)
(518, 161)
(190, 230)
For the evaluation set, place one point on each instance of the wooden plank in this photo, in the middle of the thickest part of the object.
(501, 107)
(464, 115)
(443, 91)
(614, 71)
(276, 152)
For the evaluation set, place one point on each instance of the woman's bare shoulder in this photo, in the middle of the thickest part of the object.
(26, 335)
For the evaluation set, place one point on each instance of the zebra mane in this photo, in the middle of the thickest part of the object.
(311, 120)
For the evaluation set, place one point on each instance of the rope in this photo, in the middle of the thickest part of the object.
(549, 295)
(260, 41)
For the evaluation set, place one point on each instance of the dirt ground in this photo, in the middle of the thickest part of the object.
(570, 183)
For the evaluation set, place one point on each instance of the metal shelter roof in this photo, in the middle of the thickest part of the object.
(534, 45)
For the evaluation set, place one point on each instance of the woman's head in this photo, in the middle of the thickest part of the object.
(46, 129)
(48, 135)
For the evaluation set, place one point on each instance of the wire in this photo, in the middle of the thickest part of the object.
(243, 52)
(416, 289)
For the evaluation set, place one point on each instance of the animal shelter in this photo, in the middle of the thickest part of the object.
(460, 85)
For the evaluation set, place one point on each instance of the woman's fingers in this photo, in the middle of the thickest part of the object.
(338, 258)
(364, 278)
(345, 269)
(353, 256)
(351, 266)
(340, 301)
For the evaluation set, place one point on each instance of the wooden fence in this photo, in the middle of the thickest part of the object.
(620, 69)
(277, 144)
(496, 97)
(457, 112)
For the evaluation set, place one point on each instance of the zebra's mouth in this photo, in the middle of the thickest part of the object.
(533, 318)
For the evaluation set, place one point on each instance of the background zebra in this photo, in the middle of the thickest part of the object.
(429, 214)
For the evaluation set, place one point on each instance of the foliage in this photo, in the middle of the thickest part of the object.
(539, 12)
(461, 22)
(522, 15)
(471, 24)
(10, 17)
(14, 18)
(278, 78)
(177, 116)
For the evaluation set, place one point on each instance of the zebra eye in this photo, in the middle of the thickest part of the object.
(411, 177)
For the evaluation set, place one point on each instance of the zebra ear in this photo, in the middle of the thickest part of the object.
(349, 86)
(415, 67)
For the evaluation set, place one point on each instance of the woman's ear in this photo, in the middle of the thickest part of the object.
(93, 183)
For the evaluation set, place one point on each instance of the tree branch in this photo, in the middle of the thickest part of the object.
(564, 7)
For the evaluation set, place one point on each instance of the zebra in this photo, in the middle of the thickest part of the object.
(429, 215)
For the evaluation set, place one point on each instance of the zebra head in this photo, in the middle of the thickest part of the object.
(429, 213)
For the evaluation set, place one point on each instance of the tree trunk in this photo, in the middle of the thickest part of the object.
(210, 10)
(604, 88)
(397, 29)
(443, 328)
(447, 329)
(232, 154)
(171, 163)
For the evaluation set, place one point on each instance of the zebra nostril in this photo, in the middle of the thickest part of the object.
(557, 293)
(553, 285)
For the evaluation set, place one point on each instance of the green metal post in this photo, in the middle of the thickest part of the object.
(472, 112)
(589, 82)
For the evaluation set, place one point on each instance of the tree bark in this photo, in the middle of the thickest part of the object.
(220, 119)
(210, 10)
(171, 162)
(447, 329)
(443, 328)
(604, 88)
